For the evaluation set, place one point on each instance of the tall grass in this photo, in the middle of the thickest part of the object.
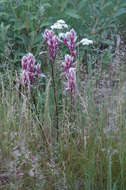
(88, 154)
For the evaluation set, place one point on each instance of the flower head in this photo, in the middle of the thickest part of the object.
(28, 62)
(71, 80)
(60, 24)
(85, 41)
(70, 41)
(67, 63)
(52, 41)
(29, 69)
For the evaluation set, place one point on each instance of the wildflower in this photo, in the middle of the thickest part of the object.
(85, 41)
(29, 69)
(28, 62)
(71, 80)
(53, 43)
(60, 24)
(70, 41)
(67, 63)
(31, 59)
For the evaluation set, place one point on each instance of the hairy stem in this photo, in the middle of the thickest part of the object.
(71, 106)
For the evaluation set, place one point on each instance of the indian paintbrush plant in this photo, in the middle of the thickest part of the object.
(53, 40)
(53, 44)
(70, 39)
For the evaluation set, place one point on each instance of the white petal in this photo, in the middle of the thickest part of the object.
(85, 41)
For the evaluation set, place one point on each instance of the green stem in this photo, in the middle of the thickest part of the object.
(55, 99)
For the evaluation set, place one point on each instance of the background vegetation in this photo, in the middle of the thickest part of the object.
(22, 22)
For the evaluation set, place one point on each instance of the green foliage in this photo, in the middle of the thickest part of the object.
(23, 22)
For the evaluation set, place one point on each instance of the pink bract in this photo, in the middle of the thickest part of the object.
(67, 63)
(29, 70)
(70, 41)
(52, 41)
(71, 80)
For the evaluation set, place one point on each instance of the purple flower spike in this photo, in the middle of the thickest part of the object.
(70, 41)
(67, 63)
(30, 71)
(31, 59)
(52, 41)
(71, 80)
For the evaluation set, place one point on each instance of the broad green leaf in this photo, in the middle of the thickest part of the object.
(121, 12)
(72, 13)
(82, 4)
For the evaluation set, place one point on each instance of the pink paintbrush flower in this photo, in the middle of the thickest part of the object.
(52, 41)
(67, 63)
(71, 80)
(70, 41)
(29, 70)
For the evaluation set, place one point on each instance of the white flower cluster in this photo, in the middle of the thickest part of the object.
(85, 41)
(60, 24)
